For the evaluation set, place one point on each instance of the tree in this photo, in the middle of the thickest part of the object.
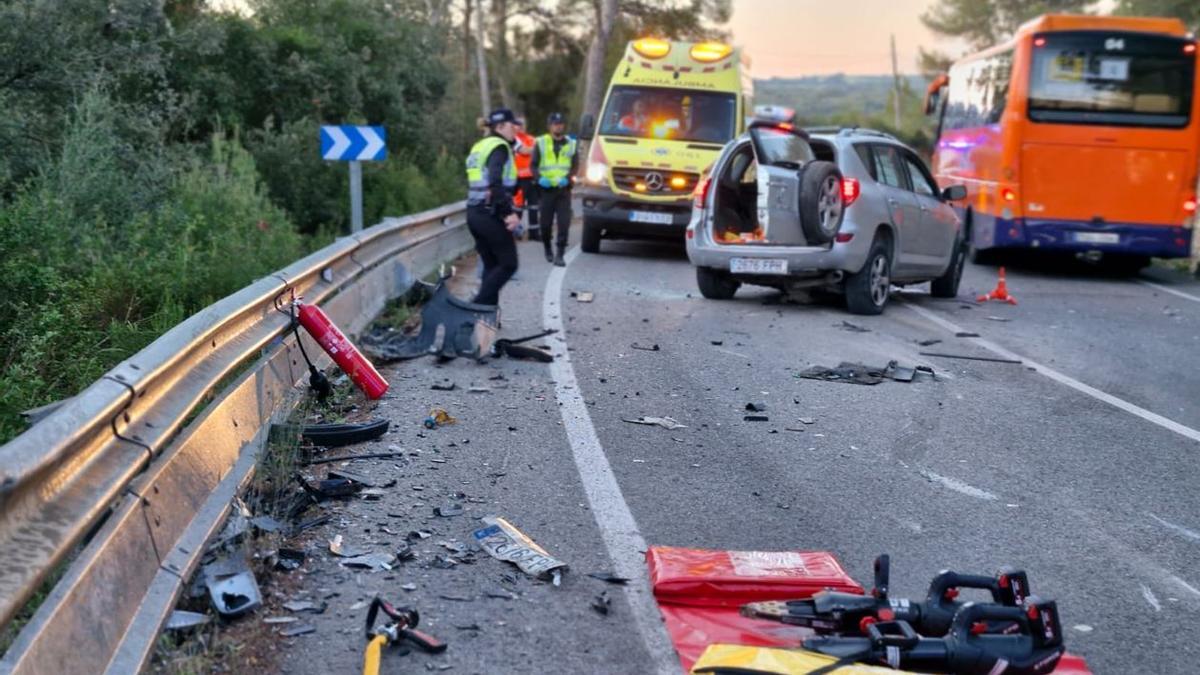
(1188, 10)
(983, 23)
(593, 93)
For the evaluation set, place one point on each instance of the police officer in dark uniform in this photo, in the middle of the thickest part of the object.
(491, 216)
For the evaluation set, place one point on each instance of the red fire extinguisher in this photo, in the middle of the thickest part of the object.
(348, 358)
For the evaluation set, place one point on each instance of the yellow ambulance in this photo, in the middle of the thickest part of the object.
(670, 109)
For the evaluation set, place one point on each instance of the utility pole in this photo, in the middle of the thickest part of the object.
(485, 98)
(895, 87)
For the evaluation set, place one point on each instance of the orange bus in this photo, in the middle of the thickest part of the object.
(1080, 134)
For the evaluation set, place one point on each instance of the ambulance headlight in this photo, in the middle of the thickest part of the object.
(596, 172)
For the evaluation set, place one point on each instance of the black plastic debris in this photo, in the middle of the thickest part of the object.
(756, 418)
(853, 328)
(296, 631)
(466, 329)
(990, 359)
(404, 552)
(652, 348)
(516, 349)
(330, 488)
(966, 334)
(360, 478)
(601, 603)
(446, 385)
(448, 511)
(337, 435)
(929, 343)
(609, 578)
(756, 407)
(716, 343)
(288, 559)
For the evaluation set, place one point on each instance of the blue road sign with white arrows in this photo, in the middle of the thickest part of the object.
(353, 144)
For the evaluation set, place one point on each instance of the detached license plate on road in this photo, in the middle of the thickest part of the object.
(758, 266)
(651, 217)
(1097, 237)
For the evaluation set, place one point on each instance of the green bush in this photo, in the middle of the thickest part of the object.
(99, 259)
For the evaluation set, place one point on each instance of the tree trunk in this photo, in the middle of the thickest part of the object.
(500, 12)
(593, 93)
(485, 98)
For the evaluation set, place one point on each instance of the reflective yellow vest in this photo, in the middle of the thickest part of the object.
(477, 173)
(554, 166)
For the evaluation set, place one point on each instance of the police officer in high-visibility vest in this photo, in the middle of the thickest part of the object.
(491, 216)
(555, 161)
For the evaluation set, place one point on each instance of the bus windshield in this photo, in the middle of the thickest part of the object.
(671, 114)
(1121, 79)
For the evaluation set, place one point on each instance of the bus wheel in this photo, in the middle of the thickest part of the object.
(590, 241)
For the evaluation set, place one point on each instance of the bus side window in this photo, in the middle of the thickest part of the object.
(1001, 77)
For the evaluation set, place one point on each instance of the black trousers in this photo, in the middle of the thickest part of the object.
(530, 190)
(497, 249)
(556, 207)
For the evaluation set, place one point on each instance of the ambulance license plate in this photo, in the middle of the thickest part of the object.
(1097, 237)
(651, 217)
(758, 266)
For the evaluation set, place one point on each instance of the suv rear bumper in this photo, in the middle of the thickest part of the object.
(802, 261)
(612, 212)
(1159, 241)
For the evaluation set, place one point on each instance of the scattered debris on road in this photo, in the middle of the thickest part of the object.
(515, 348)
(448, 511)
(851, 327)
(303, 629)
(756, 407)
(347, 458)
(609, 578)
(444, 385)
(991, 359)
(857, 373)
(466, 329)
(330, 488)
(503, 541)
(583, 296)
(664, 422)
(998, 318)
(966, 334)
(929, 343)
(334, 435)
(652, 348)
(232, 589)
(438, 417)
(184, 620)
(601, 603)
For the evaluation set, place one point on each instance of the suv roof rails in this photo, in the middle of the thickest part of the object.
(850, 131)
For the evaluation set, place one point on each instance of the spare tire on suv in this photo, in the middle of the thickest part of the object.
(821, 207)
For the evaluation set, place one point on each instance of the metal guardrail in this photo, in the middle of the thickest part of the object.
(116, 470)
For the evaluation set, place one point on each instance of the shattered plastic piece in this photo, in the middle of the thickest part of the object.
(965, 334)
(182, 620)
(505, 542)
(807, 420)
(651, 348)
(280, 619)
(330, 488)
(853, 328)
(583, 296)
(756, 407)
(851, 373)
(998, 318)
(404, 552)
(372, 561)
(305, 606)
(337, 548)
(664, 422)
(448, 511)
(601, 603)
(438, 417)
(456, 598)
(756, 418)
(444, 562)
(929, 343)
(479, 390)
(444, 386)
(266, 524)
(232, 593)
(609, 578)
(297, 631)
(717, 343)
(467, 330)
(408, 587)
(361, 479)
(418, 534)
(336, 435)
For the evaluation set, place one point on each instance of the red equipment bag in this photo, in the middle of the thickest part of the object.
(700, 593)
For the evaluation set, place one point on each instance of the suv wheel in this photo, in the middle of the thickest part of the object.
(946, 286)
(821, 208)
(867, 290)
(590, 241)
(715, 284)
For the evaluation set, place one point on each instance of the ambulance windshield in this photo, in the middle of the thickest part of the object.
(669, 114)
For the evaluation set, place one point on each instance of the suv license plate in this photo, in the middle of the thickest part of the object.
(1097, 237)
(651, 217)
(758, 266)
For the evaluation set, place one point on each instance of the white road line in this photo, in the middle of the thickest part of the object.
(1149, 596)
(1120, 403)
(958, 486)
(1168, 289)
(620, 532)
(1186, 585)
(1194, 536)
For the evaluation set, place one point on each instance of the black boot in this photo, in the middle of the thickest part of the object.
(558, 258)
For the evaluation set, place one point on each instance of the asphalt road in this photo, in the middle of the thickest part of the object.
(1078, 465)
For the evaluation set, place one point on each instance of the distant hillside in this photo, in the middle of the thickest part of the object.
(821, 97)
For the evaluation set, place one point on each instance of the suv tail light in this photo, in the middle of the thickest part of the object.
(850, 190)
(700, 193)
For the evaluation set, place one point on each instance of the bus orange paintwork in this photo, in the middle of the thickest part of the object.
(1081, 133)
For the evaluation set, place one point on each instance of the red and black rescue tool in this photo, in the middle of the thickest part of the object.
(850, 614)
(1034, 647)
(402, 627)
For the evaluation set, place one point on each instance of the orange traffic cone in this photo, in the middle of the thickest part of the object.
(999, 293)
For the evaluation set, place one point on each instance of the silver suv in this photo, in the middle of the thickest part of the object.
(853, 210)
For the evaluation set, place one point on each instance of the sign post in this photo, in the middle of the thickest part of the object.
(354, 145)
